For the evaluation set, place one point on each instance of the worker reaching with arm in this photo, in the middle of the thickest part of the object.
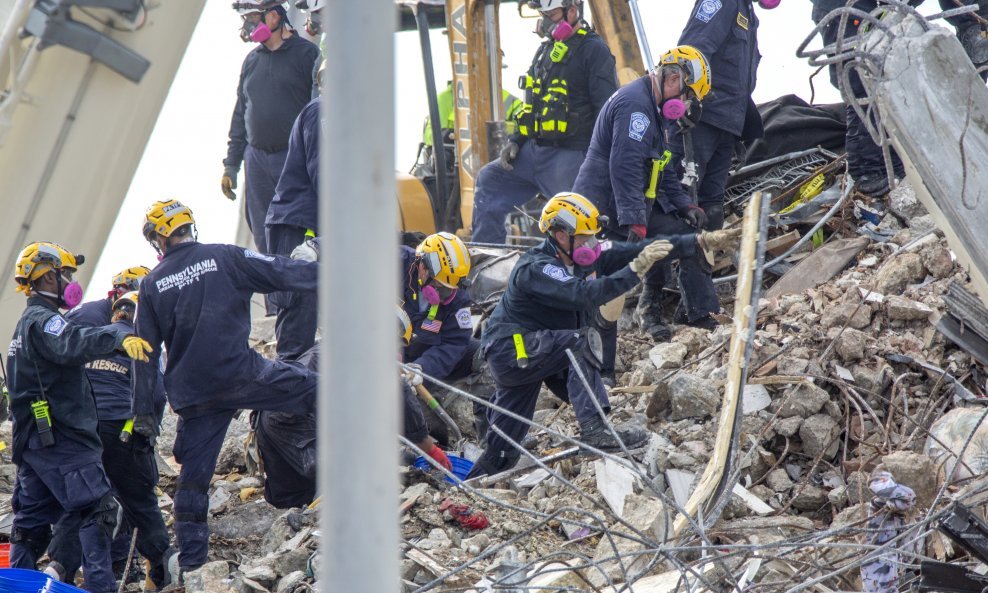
(57, 446)
(197, 303)
(552, 295)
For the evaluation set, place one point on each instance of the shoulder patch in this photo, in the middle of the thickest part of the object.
(463, 318)
(742, 21)
(56, 325)
(639, 123)
(255, 255)
(707, 10)
(556, 273)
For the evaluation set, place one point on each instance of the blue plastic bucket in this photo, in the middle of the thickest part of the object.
(461, 466)
(19, 580)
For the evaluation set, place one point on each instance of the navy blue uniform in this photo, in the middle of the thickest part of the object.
(726, 33)
(45, 361)
(93, 313)
(197, 301)
(544, 166)
(441, 341)
(549, 305)
(131, 467)
(627, 137)
(295, 209)
(274, 87)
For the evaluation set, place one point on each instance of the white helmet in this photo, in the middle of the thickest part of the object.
(547, 5)
(310, 5)
(245, 7)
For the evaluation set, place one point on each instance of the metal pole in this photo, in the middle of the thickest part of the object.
(440, 213)
(493, 58)
(636, 18)
(358, 388)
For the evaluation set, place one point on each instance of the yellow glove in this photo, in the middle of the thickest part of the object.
(229, 182)
(137, 348)
(652, 253)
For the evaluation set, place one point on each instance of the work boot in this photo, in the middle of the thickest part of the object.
(975, 43)
(872, 184)
(706, 322)
(597, 434)
(649, 314)
(55, 570)
(134, 574)
(608, 379)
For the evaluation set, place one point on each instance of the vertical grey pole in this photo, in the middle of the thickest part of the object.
(358, 388)
(636, 19)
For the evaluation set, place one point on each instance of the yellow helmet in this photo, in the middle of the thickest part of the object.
(572, 213)
(696, 69)
(130, 278)
(35, 260)
(165, 216)
(128, 297)
(446, 257)
(404, 326)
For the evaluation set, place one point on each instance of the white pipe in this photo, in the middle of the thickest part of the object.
(358, 388)
(636, 19)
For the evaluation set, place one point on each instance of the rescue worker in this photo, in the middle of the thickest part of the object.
(865, 160)
(624, 176)
(56, 446)
(97, 313)
(128, 460)
(313, 20)
(726, 33)
(287, 442)
(292, 217)
(276, 82)
(570, 78)
(552, 295)
(197, 302)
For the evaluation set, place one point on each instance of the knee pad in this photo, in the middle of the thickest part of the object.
(104, 514)
(593, 347)
(35, 540)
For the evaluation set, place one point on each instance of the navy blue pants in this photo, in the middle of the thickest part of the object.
(287, 443)
(298, 312)
(697, 292)
(66, 478)
(278, 387)
(713, 150)
(536, 169)
(518, 389)
(864, 157)
(133, 474)
(261, 172)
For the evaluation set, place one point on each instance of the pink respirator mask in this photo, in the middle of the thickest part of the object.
(769, 4)
(432, 295)
(585, 255)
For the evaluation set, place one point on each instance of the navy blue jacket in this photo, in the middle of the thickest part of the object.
(591, 78)
(274, 87)
(628, 134)
(45, 359)
(726, 32)
(197, 301)
(439, 340)
(543, 294)
(110, 378)
(296, 200)
(92, 313)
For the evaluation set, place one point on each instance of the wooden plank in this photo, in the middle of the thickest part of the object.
(778, 245)
(434, 568)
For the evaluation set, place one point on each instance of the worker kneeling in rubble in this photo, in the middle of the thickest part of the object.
(286, 443)
(552, 296)
(56, 445)
(128, 460)
(197, 301)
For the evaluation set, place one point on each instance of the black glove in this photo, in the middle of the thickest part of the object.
(694, 215)
(146, 425)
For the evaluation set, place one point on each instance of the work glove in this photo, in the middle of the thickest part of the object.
(652, 253)
(440, 456)
(307, 251)
(413, 376)
(137, 348)
(509, 152)
(636, 232)
(229, 181)
(147, 426)
(694, 215)
(723, 240)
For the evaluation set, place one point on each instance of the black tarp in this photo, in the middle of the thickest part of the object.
(792, 124)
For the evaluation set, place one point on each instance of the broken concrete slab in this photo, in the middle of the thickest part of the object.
(614, 482)
(645, 514)
(819, 435)
(669, 355)
(820, 266)
(901, 308)
(689, 396)
(755, 398)
(803, 399)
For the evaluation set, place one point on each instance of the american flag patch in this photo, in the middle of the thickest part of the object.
(432, 325)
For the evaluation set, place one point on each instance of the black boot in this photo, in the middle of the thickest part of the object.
(649, 314)
(597, 434)
(872, 184)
